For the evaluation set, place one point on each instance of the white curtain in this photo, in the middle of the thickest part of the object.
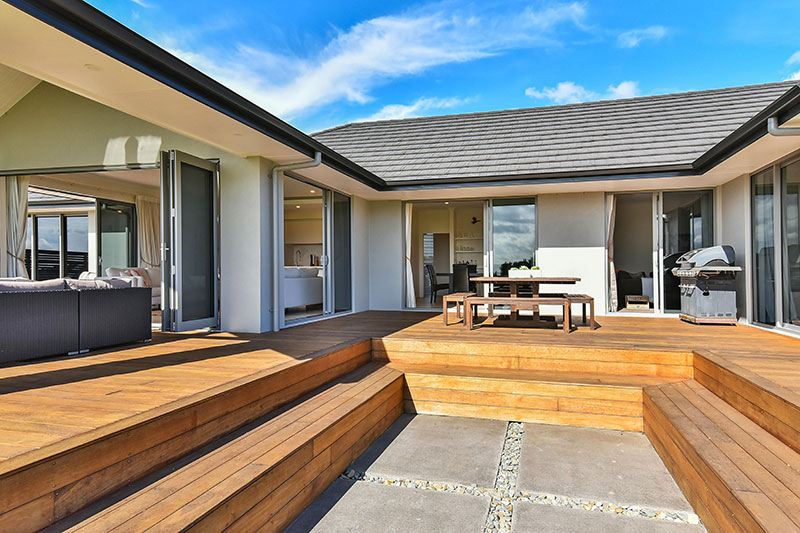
(411, 297)
(611, 206)
(148, 216)
(17, 225)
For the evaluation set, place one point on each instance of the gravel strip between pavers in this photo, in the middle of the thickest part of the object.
(504, 493)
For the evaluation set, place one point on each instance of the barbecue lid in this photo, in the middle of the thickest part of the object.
(722, 255)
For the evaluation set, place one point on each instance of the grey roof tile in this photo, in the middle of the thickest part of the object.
(644, 132)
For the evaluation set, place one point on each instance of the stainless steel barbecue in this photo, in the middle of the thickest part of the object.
(708, 285)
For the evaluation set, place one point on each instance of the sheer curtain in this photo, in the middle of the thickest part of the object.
(411, 297)
(148, 216)
(16, 225)
(611, 206)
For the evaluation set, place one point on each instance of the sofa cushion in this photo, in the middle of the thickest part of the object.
(27, 285)
(99, 283)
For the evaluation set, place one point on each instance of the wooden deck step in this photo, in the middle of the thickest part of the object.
(547, 356)
(264, 475)
(564, 398)
(46, 484)
(737, 475)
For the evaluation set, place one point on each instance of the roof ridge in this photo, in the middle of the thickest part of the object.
(787, 83)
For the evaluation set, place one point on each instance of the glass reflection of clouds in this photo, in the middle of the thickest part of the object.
(513, 234)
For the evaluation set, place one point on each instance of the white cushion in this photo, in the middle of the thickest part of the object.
(27, 285)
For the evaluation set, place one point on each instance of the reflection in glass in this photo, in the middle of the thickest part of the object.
(198, 279)
(77, 259)
(341, 253)
(48, 244)
(763, 248)
(790, 202)
(513, 234)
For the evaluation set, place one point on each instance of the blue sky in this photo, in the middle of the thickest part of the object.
(320, 64)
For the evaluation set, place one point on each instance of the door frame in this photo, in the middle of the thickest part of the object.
(171, 273)
(328, 303)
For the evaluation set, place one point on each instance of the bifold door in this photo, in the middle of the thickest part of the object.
(190, 242)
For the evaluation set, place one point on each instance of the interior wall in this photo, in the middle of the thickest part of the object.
(82, 133)
(633, 235)
(426, 220)
(734, 211)
(571, 236)
(386, 255)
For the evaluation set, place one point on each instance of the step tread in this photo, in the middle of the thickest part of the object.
(185, 491)
(575, 378)
(759, 470)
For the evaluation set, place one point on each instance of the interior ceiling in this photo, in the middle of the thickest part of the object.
(293, 188)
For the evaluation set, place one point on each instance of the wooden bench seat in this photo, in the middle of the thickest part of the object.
(458, 298)
(264, 475)
(527, 302)
(736, 475)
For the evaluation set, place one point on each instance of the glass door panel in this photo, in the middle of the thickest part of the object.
(342, 269)
(116, 235)
(687, 224)
(190, 240)
(790, 207)
(77, 236)
(47, 231)
(763, 247)
(513, 234)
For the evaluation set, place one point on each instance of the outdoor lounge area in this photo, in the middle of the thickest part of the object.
(702, 396)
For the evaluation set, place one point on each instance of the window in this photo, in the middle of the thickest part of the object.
(57, 246)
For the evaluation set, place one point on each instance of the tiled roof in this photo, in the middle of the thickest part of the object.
(647, 133)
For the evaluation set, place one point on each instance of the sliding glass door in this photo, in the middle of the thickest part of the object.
(116, 235)
(513, 234)
(315, 278)
(763, 237)
(790, 245)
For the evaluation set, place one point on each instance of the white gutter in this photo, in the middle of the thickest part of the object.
(774, 129)
(277, 214)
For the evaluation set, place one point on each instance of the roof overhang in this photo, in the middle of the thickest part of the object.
(70, 44)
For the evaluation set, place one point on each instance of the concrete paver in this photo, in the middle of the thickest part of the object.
(531, 517)
(438, 448)
(349, 506)
(613, 466)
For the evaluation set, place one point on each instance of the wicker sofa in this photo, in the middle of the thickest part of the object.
(40, 319)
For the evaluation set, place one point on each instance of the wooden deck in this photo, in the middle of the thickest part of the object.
(103, 419)
(48, 401)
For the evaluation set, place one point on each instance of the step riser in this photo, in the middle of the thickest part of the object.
(546, 358)
(56, 486)
(771, 412)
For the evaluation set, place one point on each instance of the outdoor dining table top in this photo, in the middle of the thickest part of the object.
(538, 279)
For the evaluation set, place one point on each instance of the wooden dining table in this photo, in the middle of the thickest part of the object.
(514, 285)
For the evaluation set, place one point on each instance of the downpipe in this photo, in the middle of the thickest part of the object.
(774, 129)
(276, 213)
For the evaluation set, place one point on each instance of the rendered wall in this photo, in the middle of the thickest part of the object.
(53, 128)
(571, 231)
(732, 228)
(361, 271)
(386, 255)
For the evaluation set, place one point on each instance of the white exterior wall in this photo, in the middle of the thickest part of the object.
(386, 255)
(53, 128)
(361, 270)
(571, 236)
(732, 227)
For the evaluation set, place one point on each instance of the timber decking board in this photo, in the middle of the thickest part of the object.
(736, 474)
(251, 477)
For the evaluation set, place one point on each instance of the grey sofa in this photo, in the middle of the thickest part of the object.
(40, 319)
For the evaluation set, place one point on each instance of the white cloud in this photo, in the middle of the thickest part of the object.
(568, 92)
(373, 52)
(794, 59)
(625, 89)
(633, 38)
(141, 3)
(416, 109)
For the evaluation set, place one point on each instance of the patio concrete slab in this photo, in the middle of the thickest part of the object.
(611, 466)
(356, 506)
(533, 517)
(437, 448)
